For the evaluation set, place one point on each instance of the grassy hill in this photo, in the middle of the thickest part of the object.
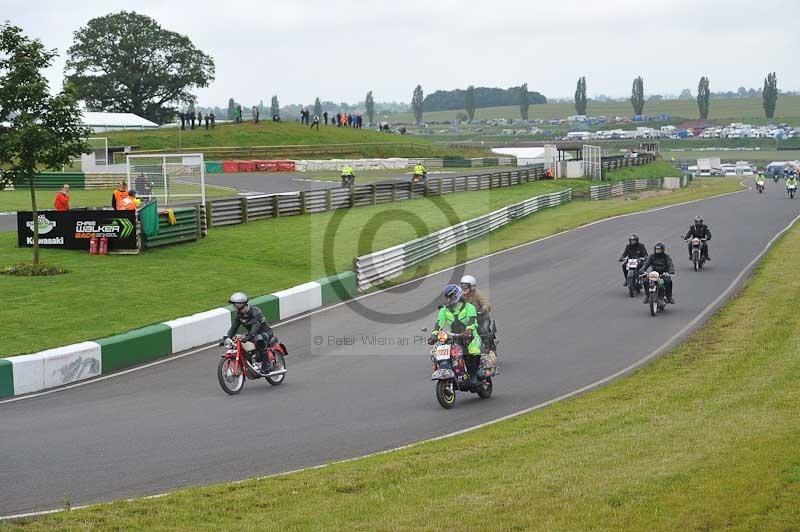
(739, 110)
(330, 140)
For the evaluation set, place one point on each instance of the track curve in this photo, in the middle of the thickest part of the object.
(565, 322)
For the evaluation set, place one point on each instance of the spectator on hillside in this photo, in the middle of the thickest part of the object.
(213, 120)
(255, 114)
(239, 113)
(338, 119)
(191, 119)
(325, 117)
(199, 119)
(206, 119)
(121, 192)
(316, 122)
(144, 185)
(62, 199)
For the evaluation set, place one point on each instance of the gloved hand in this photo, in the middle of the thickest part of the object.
(431, 340)
(467, 333)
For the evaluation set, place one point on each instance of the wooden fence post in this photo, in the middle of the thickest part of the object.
(328, 200)
(243, 204)
(303, 202)
(374, 191)
(276, 208)
(209, 214)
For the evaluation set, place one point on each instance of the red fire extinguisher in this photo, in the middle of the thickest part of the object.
(93, 245)
(103, 245)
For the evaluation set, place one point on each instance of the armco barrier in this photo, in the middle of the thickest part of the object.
(386, 264)
(236, 210)
(600, 192)
(185, 229)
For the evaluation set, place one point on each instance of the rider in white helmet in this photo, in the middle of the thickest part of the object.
(469, 285)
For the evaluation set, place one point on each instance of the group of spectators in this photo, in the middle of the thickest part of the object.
(121, 200)
(338, 120)
(188, 119)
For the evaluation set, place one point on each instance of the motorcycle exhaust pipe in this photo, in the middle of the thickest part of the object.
(276, 373)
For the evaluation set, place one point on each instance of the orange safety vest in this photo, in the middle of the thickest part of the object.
(126, 204)
(118, 195)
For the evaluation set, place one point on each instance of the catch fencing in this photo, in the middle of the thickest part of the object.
(386, 264)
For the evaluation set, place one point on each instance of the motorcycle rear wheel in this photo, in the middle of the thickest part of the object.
(230, 383)
(278, 379)
(445, 394)
(485, 389)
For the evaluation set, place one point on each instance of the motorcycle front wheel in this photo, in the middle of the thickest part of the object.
(653, 303)
(231, 382)
(631, 285)
(278, 379)
(485, 389)
(445, 394)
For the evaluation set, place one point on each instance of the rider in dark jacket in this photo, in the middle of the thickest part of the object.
(252, 319)
(699, 230)
(662, 263)
(634, 250)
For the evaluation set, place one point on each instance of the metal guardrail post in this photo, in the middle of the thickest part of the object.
(491, 181)
(394, 192)
(276, 208)
(374, 192)
(302, 202)
(244, 209)
(328, 200)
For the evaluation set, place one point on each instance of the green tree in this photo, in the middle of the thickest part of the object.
(317, 107)
(770, 95)
(44, 131)
(231, 108)
(469, 102)
(416, 103)
(580, 96)
(703, 97)
(369, 103)
(524, 101)
(637, 96)
(274, 107)
(126, 62)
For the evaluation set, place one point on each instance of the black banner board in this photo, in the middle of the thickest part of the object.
(73, 229)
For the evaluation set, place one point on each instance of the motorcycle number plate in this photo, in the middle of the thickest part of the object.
(633, 264)
(443, 352)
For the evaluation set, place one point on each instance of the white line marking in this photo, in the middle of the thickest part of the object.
(376, 292)
(704, 314)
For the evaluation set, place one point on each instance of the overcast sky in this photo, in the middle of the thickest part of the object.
(340, 49)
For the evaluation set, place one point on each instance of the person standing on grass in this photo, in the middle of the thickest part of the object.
(325, 117)
(121, 192)
(213, 120)
(62, 199)
(206, 119)
(199, 119)
(316, 122)
(338, 119)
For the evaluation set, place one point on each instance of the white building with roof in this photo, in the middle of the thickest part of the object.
(102, 121)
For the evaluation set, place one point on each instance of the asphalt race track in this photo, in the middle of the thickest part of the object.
(565, 322)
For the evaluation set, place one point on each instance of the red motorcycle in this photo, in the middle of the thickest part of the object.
(237, 364)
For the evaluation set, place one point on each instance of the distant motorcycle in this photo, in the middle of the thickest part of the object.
(450, 369)
(348, 180)
(416, 178)
(632, 267)
(698, 258)
(791, 190)
(237, 364)
(759, 187)
(657, 299)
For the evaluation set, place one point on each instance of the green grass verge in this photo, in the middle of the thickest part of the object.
(20, 199)
(656, 169)
(285, 134)
(259, 258)
(714, 448)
